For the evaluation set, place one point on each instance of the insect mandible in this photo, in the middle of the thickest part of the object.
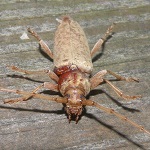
(72, 70)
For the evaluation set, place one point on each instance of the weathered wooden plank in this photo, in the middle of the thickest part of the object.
(38, 124)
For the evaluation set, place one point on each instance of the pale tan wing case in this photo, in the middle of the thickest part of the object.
(71, 46)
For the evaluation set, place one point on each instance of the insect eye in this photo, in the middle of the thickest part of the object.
(81, 96)
(67, 95)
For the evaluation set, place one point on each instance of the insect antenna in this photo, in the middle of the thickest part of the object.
(112, 111)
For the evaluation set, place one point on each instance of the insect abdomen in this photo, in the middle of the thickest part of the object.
(71, 46)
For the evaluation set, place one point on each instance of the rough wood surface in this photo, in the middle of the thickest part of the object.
(39, 124)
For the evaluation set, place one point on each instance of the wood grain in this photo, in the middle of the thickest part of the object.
(39, 124)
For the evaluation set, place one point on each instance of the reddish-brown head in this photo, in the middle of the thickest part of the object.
(74, 105)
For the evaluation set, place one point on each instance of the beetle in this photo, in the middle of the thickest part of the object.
(72, 72)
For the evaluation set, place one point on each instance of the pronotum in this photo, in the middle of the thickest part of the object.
(72, 70)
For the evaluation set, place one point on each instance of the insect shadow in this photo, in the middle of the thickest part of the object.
(23, 77)
(89, 115)
(99, 55)
(85, 113)
(100, 91)
(44, 54)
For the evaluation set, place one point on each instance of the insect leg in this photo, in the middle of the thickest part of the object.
(111, 111)
(98, 45)
(122, 78)
(120, 93)
(42, 43)
(51, 74)
(24, 98)
(51, 86)
(31, 94)
(97, 79)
